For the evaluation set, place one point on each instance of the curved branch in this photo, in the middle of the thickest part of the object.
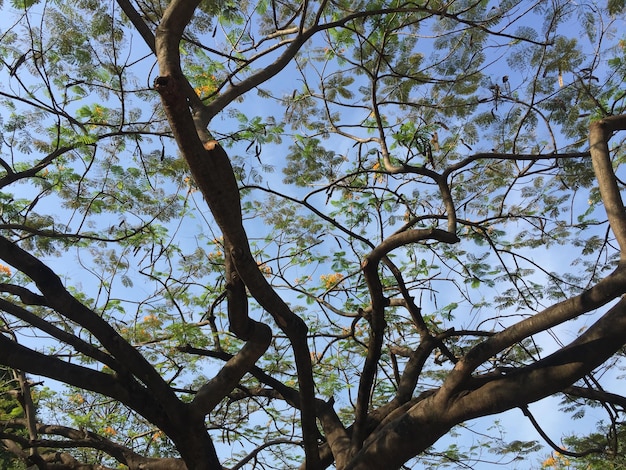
(81, 438)
(289, 394)
(11, 176)
(212, 171)
(263, 446)
(377, 321)
(258, 336)
(553, 444)
(597, 395)
(26, 296)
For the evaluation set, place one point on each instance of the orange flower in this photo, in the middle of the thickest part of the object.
(378, 176)
(77, 398)
(152, 320)
(330, 281)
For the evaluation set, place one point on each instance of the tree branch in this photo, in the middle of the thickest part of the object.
(138, 22)
(599, 134)
(63, 302)
(78, 344)
(214, 175)
(391, 446)
(258, 336)
(81, 438)
(597, 395)
(603, 292)
(553, 444)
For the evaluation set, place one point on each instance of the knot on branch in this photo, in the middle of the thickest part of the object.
(237, 253)
(161, 83)
(172, 92)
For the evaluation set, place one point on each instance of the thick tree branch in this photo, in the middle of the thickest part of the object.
(337, 437)
(602, 293)
(160, 405)
(599, 134)
(63, 302)
(401, 438)
(214, 175)
(606, 290)
(552, 374)
(22, 358)
(138, 22)
(377, 321)
(258, 336)
(78, 344)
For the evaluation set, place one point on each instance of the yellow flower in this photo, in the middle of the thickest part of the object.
(378, 176)
(206, 90)
(152, 320)
(77, 398)
(330, 281)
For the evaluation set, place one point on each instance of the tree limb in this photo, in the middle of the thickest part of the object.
(599, 134)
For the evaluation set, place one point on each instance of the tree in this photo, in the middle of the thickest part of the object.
(9, 409)
(449, 212)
